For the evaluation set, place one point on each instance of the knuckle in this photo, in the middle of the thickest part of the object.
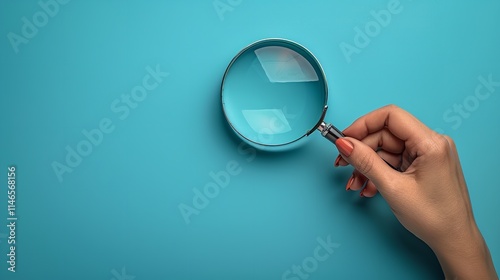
(442, 144)
(438, 146)
(392, 107)
(451, 142)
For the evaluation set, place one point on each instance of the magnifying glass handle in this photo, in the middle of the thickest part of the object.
(332, 133)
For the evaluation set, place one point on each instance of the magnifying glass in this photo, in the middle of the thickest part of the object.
(274, 94)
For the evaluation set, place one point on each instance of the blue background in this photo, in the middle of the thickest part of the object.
(117, 213)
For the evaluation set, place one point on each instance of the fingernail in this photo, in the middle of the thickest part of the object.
(362, 193)
(344, 146)
(349, 183)
(337, 161)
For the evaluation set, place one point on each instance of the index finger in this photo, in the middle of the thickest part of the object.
(399, 122)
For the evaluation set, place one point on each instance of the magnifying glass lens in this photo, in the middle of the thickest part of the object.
(274, 93)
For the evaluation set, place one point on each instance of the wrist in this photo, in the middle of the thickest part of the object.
(465, 256)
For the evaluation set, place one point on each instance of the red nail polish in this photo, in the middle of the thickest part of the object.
(337, 161)
(349, 183)
(344, 146)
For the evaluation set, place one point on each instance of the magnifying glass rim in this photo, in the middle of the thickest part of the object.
(270, 41)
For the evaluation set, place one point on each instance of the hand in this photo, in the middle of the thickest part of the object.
(428, 195)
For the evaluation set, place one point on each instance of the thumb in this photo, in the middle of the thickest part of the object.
(366, 161)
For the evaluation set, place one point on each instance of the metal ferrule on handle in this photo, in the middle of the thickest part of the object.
(330, 132)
